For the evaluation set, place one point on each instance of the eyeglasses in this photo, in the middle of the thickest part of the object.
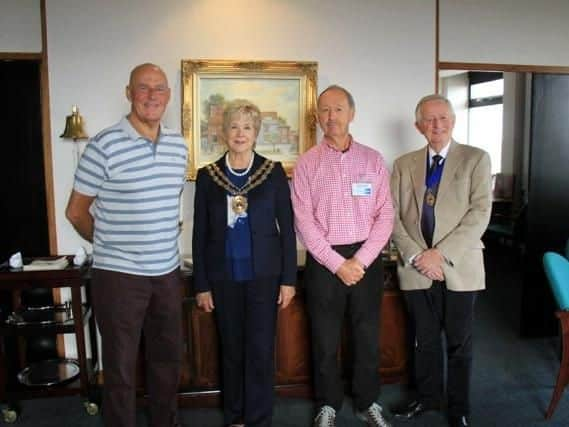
(145, 90)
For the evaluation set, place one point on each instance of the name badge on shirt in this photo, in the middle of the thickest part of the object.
(361, 189)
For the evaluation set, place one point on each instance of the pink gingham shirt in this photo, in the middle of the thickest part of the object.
(327, 214)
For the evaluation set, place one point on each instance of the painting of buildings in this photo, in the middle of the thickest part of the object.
(279, 102)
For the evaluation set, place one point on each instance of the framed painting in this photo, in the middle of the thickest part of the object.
(284, 91)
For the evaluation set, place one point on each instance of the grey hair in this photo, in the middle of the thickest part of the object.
(349, 96)
(244, 107)
(428, 98)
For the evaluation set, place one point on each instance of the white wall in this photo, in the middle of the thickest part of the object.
(505, 31)
(381, 50)
(20, 26)
(455, 88)
(512, 121)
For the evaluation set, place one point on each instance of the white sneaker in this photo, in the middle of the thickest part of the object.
(326, 417)
(373, 416)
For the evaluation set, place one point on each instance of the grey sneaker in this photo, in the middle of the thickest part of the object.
(326, 417)
(373, 416)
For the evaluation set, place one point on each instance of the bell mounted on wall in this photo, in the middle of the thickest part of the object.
(74, 126)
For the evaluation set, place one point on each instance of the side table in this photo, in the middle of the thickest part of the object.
(11, 391)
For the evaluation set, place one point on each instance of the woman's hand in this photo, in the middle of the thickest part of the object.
(286, 294)
(204, 300)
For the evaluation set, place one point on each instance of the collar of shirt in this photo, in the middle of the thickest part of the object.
(132, 133)
(329, 145)
(443, 153)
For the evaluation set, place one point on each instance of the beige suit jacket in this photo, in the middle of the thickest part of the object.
(462, 212)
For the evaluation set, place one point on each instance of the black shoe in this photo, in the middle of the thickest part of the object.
(459, 421)
(413, 410)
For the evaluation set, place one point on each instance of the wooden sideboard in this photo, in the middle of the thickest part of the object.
(199, 383)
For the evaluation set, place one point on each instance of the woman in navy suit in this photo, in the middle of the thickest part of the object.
(244, 254)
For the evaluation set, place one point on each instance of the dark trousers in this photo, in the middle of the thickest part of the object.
(327, 300)
(433, 311)
(125, 306)
(246, 318)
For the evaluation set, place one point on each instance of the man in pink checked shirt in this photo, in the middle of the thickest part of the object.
(344, 217)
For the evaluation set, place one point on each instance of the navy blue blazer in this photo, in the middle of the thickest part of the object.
(270, 219)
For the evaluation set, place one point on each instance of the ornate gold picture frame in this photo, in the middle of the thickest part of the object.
(284, 91)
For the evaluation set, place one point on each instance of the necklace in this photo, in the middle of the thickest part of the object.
(239, 201)
(245, 172)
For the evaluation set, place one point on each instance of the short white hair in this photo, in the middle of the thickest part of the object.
(428, 98)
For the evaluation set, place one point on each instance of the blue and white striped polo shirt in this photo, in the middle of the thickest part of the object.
(137, 185)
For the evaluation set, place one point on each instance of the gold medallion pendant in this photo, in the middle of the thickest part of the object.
(239, 204)
(239, 201)
(430, 198)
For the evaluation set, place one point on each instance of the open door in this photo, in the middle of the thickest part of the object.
(548, 198)
(23, 217)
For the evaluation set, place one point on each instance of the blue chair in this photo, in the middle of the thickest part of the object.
(557, 271)
(567, 249)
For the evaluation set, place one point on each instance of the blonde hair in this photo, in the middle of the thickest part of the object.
(243, 107)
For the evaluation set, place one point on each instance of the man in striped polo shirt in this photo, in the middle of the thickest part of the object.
(343, 215)
(126, 201)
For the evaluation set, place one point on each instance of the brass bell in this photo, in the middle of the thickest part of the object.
(74, 126)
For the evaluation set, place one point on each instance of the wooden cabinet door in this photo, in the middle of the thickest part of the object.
(204, 348)
(292, 347)
(393, 338)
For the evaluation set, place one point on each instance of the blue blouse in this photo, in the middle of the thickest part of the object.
(238, 239)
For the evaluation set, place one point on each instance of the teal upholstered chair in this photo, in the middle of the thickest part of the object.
(557, 271)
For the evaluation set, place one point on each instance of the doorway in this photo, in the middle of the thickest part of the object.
(539, 133)
(24, 215)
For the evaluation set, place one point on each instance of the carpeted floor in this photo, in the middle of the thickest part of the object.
(513, 378)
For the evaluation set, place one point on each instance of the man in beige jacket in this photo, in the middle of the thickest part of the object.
(442, 200)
